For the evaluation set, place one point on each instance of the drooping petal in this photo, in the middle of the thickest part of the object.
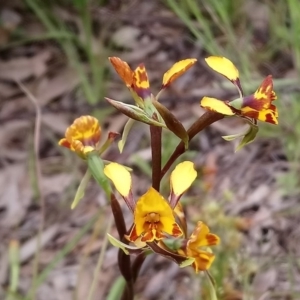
(226, 68)
(123, 69)
(141, 83)
(223, 66)
(120, 177)
(202, 237)
(182, 177)
(216, 105)
(177, 70)
(203, 260)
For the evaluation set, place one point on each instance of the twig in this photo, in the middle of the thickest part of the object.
(205, 120)
(100, 260)
(37, 130)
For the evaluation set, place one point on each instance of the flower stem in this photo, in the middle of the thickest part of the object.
(155, 133)
(205, 120)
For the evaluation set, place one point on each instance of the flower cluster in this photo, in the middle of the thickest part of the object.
(155, 224)
(257, 106)
(159, 224)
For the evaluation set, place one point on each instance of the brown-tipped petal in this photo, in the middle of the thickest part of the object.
(177, 70)
(123, 69)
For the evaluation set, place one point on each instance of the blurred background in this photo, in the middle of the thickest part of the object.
(53, 64)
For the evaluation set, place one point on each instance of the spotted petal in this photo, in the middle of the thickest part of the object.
(177, 70)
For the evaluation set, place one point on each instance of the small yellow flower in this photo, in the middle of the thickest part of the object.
(153, 215)
(82, 136)
(153, 218)
(197, 247)
(257, 106)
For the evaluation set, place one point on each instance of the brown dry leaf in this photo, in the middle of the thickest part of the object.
(9, 132)
(158, 281)
(19, 69)
(126, 37)
(210, 171)
(56, 122)
(56, 183)
(7, 90)
(64, 82)
(258, 14)
(10, 19)
(29, 248)
(15, 194)
(263, 281)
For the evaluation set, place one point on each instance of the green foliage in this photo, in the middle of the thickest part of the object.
(74, 45)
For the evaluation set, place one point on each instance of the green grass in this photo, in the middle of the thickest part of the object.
(223, 28)
(91, 78)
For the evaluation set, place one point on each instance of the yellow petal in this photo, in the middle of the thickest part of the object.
(120, 177)
(153, 202)
(141, 83)
(85, 129)
(216, 105)
(177, 70)
(203, 261)
(182, 177)
(223, 66)
(202, 237)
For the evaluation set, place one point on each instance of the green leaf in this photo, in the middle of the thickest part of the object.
(81, 189)
(96, 167)
(211, 287)
(116, 290)
(135, 113)
(125, 133)
(249, 136)
(187, 262)
(116, 243)
(233, 136)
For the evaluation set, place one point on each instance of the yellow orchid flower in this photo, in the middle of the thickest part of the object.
(197, 247)
(257, 106)
(153, 218)
(153, 214)
(82, 136)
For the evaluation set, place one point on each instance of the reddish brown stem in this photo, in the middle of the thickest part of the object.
(155, 133)
(205, 120)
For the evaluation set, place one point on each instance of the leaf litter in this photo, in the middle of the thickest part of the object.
(244, 183)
